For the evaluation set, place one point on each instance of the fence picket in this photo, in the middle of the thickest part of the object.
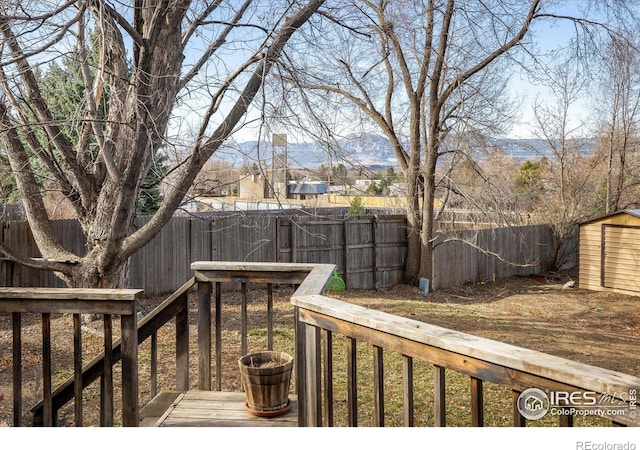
(369, 251)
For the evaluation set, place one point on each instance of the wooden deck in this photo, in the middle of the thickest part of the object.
(209, 409)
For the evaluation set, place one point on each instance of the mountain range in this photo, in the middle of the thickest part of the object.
(366, 150)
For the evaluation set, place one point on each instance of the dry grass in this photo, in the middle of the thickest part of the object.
(593, 328)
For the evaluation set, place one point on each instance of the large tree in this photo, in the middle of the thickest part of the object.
(428, 74)
(618, 124)
(568, 178)
(62, 88)
(159, 61)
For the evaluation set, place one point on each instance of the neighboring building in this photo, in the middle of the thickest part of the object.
(304, 190)
(256, 186)
(609, 253)
(253, 187)
(364, 184)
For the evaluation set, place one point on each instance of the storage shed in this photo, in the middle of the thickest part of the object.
(609, 253)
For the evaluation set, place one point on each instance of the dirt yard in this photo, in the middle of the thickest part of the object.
(535, 312)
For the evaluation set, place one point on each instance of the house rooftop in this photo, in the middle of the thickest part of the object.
(304, 187)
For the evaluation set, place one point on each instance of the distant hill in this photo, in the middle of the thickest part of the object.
(533, 149)
(366, 150)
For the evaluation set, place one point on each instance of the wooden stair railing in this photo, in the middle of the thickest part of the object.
(208, 280)
(175, 306)
(48, 301)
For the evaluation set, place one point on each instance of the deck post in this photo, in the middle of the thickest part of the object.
(204, 335)
(300, 350)
(312, 380)
(129, 331)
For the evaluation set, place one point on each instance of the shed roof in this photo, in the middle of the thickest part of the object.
(632, 212)
(307, 188)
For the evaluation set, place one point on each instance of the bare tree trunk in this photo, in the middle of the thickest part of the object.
(87, 275)
(99, 158)
(414, 249)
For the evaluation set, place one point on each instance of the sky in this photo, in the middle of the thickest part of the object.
(550, 37)
(547, 37)
(519, 87)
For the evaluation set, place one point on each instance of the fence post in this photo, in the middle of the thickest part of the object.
(293, 244)
(345, 246)
(374, 231)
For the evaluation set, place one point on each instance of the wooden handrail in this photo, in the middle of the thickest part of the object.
(482, 359)
(207, 275)
(317, 318)
(69, 300)
(48, 301)
(308, 277)
(166, 311)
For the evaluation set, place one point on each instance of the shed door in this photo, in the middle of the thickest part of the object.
(621, 263)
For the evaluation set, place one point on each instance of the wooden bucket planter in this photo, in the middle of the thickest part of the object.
(266, 377)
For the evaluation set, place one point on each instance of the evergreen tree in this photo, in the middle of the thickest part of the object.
(8, 189)
(63, 89)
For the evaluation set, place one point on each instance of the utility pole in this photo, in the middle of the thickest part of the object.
(329, 176)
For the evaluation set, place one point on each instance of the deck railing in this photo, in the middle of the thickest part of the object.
(195, 312)
(174, 310)
(325, 329)
(105, 302)
(211, 275)
(571, 388)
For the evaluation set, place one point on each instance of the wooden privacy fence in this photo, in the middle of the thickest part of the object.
(472, 256)
(368, 251)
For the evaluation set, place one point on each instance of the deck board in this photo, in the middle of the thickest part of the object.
(217, 409)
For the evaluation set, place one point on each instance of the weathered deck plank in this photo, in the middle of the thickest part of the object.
(218, 409)
(158, 407)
